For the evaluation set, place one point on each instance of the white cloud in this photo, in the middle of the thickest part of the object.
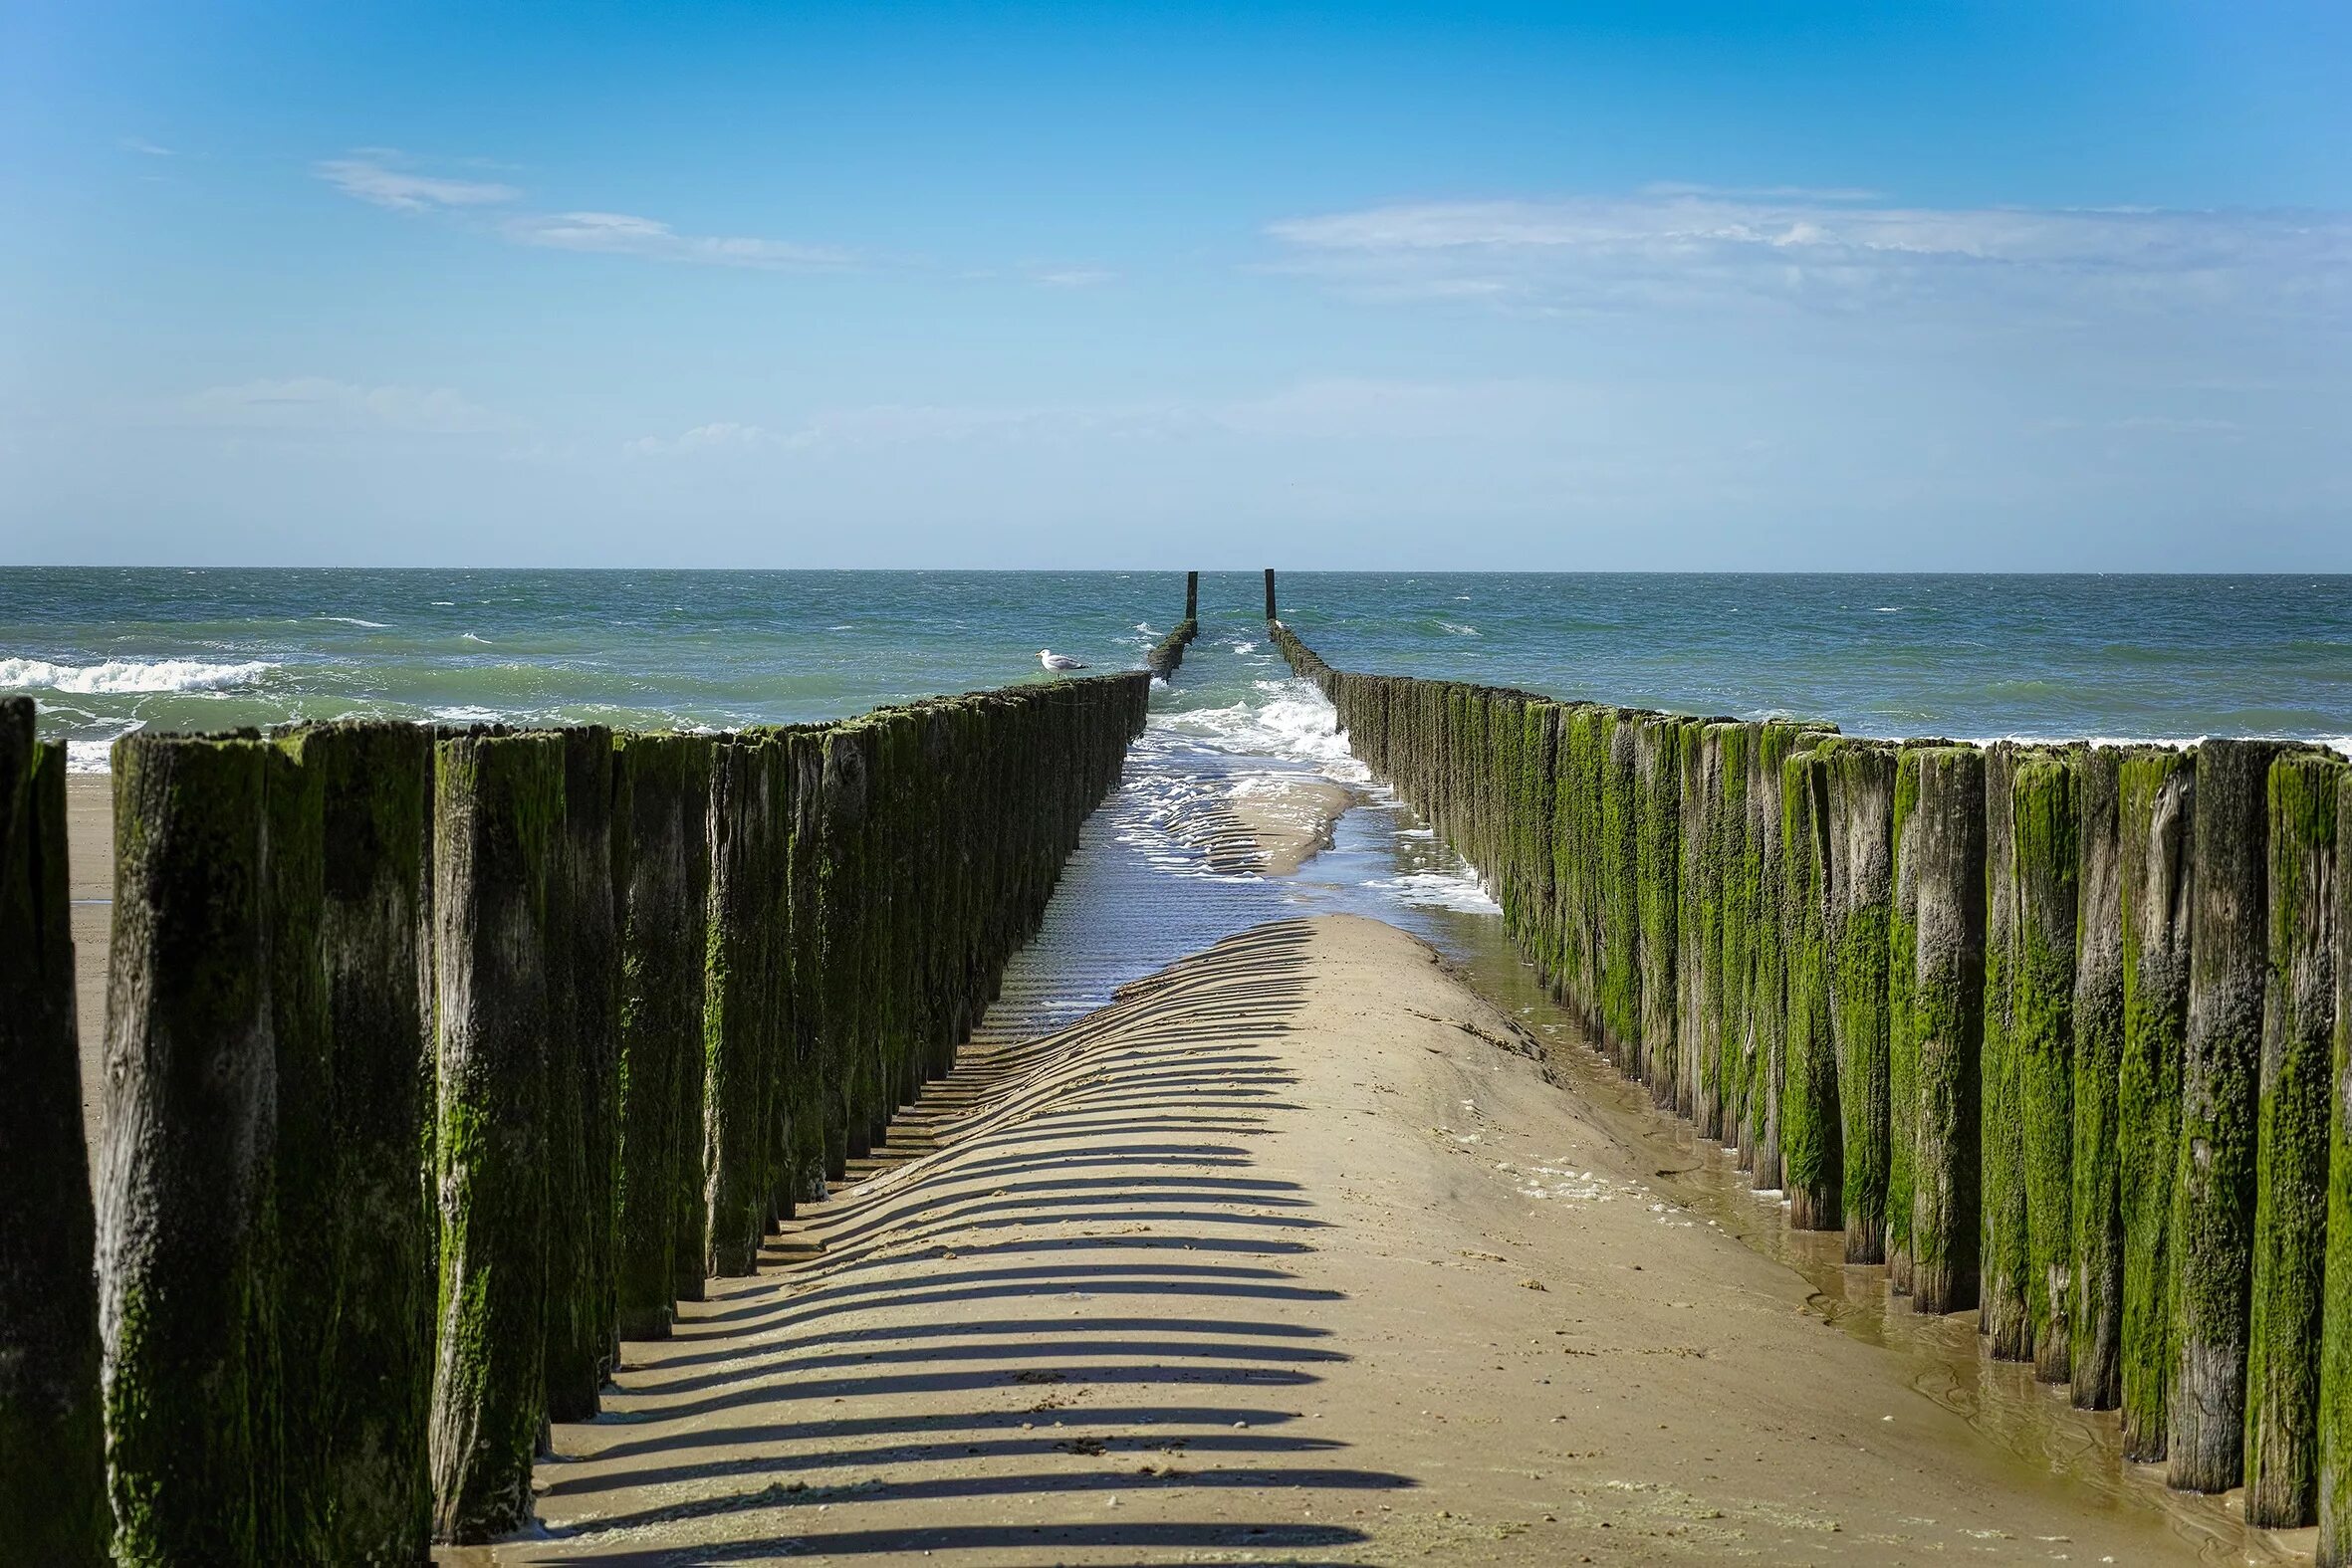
(1688, 246)
(318, 405)
(624, 234)
(372, 176)
(143, 147)
(1072, 277)
(723, 436)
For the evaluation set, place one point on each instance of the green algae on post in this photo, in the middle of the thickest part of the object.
(2155, 813)
(1813, 1160)
(53, 1483)
(1941, 867)
(2002, 1316)
(2221, 1064)
(183, 1169)
(498, 818)
(2335, 1341)
(2098, 1055)
(376, 783)
(2046, 843)
(735, 1014)
(583, 1021)
(2284, 1325)
(1658, 835)
(1860, 775)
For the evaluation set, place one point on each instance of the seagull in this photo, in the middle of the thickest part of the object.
(1058, 661)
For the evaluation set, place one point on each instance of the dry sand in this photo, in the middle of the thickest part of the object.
(1290, 1254)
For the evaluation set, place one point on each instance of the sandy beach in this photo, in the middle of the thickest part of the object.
(89, 859)
(1294, 1252)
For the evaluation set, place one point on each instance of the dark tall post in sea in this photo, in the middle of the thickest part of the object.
(1269, 615)
(1192, 596)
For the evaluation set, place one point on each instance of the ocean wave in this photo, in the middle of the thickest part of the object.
(1457, 630)
(473, 637)
(1297, 727)
(127, 675)
(354, 621)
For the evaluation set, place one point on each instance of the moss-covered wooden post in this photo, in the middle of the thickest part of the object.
(1769, 1000)
(2291, 1145)
(657, 849)
(1813, 1160)
(583, 1058)
(2042, 1041)
(841, 947)
(498, 822)
(2155, 814)
(185, 1157)
(1940, 868)
(376, 809)
(295, 1431)
(1657, 876)
(2002, 1314)
(734, 1014)
(1736, 962)
(53, 1484)
(2098, 1055)
(2220, 1068)
(1860, 775)
(2335, 1341)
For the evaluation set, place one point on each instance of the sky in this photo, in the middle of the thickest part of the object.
(1740, 285)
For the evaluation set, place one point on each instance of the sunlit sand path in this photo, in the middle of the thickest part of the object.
(1292, 1254)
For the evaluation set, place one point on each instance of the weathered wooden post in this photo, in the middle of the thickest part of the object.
(1269, 614)
(2041, 1042)
(1192, 596)
(498, 822)
(1861, 804)
(583, 1045)
(2285, 1323)
(2220, 1069)
(1657, 768)
(2003, 1314)
(185, 1155)
(52, 1483)
(1940, 903)
(2335, 1344)
(375, 814)
(2155, 817)
(2098, 1056)
(1813, 1157)
(734, 1014)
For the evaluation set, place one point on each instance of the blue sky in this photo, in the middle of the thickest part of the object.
(1738, 286)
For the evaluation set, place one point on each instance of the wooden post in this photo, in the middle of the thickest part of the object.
(2155, 813)
(2291, 1154)
(185, 1158)
(2220, 1068)
(53, 1484)
(1939, 899)
(375, 813)
(584, 1022)
(497, 822)
(2046, 843)
(1192, 596)
(2098, 1058)
(1269, 614)
(2335, 1342)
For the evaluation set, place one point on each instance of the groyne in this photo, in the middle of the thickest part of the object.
(438, 1062)
(1168, 652)
(2059, 1033)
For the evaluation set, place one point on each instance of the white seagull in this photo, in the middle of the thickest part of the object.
(1058, 661)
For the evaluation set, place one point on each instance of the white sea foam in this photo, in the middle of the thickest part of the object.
(1296, 726)
(1245, 647)
(94, 756)
(127, 675)
(467, 715)
(354, 621)
(1439, 890)
(1459, 630)
(472, 637)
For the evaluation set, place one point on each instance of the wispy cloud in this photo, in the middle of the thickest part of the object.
(1838, 249)
(624, 234)
(321, 404)
(383, 177)
(1072, 277)
(145, 149)
(374, 179)
(722, 436)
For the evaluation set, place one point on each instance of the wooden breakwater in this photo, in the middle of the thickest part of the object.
(1168, 652)
(440, 1062)
(2058, 1033)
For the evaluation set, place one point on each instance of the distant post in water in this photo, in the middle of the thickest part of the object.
(1192, 596)
(1269, 615)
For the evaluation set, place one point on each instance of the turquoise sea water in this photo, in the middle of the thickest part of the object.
(104, 651)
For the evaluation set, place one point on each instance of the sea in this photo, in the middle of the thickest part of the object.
(106, 652)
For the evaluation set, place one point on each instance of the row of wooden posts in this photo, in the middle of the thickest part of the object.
(1168, 652)
(439, 1063)
(2058, 1033)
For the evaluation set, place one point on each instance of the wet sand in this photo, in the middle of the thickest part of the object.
(1290, 819)
(89, 863)
(1294, 1252)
